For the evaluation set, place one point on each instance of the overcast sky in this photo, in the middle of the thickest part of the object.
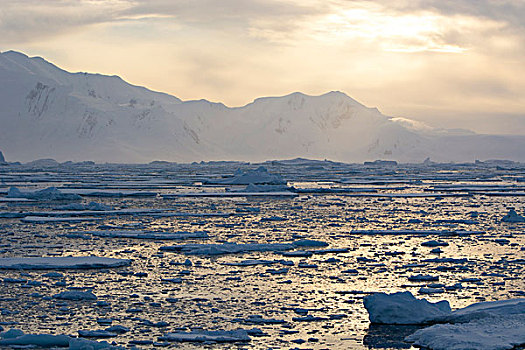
(450, 63)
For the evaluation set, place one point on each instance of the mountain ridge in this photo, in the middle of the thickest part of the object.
(46, 111)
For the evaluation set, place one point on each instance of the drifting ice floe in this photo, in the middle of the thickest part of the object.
(67, 262)
(15, 337)
(150, 235)
(200, 336)
(234, 248)
(257, 176)
(47, 194)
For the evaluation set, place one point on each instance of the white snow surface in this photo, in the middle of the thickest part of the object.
(50, 193)
(48, 112)
(68, 262)
(489, 333)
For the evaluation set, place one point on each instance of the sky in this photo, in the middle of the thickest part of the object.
(457, 63)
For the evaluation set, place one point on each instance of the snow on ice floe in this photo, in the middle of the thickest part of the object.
(67, 262)
(137, 234)
(491, 333)
(17, 338)
(257, 176)
(235, 248)
(201, 336)
(47, 194)
(47, 219)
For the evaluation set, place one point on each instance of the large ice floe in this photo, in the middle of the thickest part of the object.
(15, 338)
(495, 325)
(156, 235)
(201, 336)
(67, 262)
(236, 248)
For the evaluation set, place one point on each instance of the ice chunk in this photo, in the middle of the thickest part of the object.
(257, 176)
(403, 308)
(512, 216)
(96, 334)
(68, 262)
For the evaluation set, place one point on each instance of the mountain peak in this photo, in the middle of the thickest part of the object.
(49, 112)
(12, 53)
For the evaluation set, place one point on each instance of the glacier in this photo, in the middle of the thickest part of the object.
(47, 112)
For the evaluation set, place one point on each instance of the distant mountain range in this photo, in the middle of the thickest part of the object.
(47, 112)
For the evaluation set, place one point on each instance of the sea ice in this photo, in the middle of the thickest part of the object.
(47, 194)
(66, 262)
(234, 248)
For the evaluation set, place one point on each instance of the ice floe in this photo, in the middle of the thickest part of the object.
(201, 336)
(512, 216)
(47, 194)
(18, 339)
(68, 262)
(235, 248)
(492, 333)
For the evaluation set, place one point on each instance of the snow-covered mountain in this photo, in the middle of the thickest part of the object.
(46, 112)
